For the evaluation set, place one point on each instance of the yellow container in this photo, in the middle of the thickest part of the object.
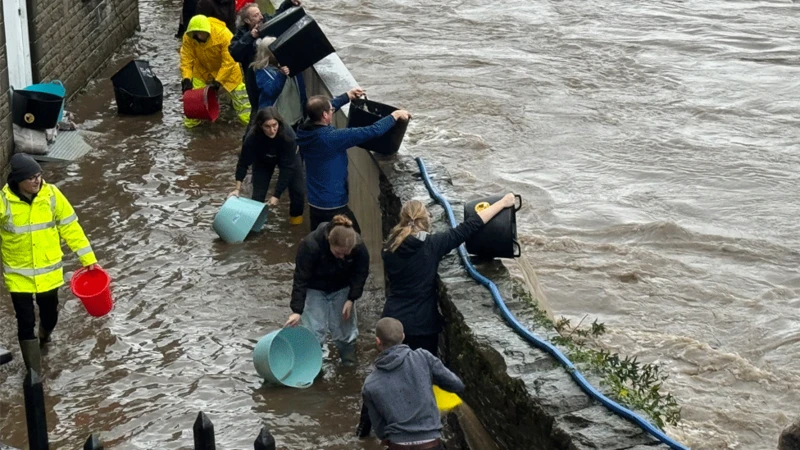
(445, 400)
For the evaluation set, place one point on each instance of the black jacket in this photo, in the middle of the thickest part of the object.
(317, 268)
(258, 149)
(224, 10)
(411, 270)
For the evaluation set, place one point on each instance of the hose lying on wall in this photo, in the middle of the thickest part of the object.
(533, 339)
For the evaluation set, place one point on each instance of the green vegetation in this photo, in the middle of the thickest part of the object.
(628, 382)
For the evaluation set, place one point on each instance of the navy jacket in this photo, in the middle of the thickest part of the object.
(324, 150)
(258, 149)
(412, 294)
(316, 268)
(270, 83)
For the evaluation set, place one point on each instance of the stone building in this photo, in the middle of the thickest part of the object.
(67, 40)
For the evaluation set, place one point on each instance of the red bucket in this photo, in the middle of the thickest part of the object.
(91, 286)
(201, 104)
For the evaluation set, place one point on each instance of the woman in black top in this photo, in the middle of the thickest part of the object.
(411, 260)
(271, 143)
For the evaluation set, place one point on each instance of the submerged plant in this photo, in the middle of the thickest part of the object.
(627, 381)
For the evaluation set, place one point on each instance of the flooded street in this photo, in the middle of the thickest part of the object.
(657, 147)
(189, 308)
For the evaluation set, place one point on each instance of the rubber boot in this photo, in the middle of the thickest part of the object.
(348, 356)
(44, 336)
(364, 424)
(31, 354)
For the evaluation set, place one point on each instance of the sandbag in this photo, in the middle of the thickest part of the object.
(30, 141)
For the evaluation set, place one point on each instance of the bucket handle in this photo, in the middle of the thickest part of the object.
(517, 208)
(518, 249)
(58, 82)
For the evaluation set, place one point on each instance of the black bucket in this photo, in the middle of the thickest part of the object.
(282, 22)
(39, 110)
(364, 113)
(137, 89)
(301, 46)
(498, 238)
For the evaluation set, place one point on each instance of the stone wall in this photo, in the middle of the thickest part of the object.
(5, 111)
(520, 394)
(71, 39)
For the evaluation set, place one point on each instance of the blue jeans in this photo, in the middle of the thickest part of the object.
(323, 313)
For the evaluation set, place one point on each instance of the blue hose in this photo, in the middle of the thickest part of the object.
(539, 343)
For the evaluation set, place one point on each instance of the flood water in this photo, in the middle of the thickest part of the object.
(657, 146)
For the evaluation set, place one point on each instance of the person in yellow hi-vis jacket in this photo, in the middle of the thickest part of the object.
(205, 60)
(34, 217)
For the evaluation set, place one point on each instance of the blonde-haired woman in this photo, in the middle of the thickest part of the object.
(411, 260)
(270, 78)
(331, 269)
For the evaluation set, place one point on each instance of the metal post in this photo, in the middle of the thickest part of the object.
(203, 433)
(93, 443)
(264, 441)
(35, 412)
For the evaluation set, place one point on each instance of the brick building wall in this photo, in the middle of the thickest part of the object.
(70, 40)
(5, 111)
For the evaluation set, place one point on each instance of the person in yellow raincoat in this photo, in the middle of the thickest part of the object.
(205, 60)
(34, 217)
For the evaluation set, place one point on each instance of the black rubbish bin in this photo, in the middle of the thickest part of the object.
(498, 238)
(282, 22)
(39, 110)
(364, 113)
(301, 46)
(137, 89)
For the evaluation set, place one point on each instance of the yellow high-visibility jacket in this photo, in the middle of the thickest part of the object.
(31, 234)
(211, 60)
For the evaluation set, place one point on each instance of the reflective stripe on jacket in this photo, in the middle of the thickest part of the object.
(31, 239)
(211, 60)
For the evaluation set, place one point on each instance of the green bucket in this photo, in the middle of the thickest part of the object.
(290, 356)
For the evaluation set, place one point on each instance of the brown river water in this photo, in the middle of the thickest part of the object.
(655, 144)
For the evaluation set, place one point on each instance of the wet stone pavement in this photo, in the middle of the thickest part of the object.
(189, 308)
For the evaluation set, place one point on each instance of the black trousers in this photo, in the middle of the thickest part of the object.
(317, 216)
(26, 315)
(262, 175)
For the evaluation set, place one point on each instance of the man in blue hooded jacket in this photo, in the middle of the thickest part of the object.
(399, 392)
(324, 150)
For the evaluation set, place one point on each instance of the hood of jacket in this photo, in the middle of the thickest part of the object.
(308, 134)
(392, 358)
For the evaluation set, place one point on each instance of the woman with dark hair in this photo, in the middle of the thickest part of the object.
(271, 143)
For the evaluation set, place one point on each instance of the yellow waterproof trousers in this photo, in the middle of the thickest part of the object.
(239, 100)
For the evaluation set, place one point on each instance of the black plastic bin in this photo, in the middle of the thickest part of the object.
(137, 89)
(39, 110)
(364, 113)
(282, 22)
(301, 46)
(498, 238)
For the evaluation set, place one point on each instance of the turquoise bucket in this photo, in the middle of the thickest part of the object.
(55, 88)
(290, 356)
(238, 217)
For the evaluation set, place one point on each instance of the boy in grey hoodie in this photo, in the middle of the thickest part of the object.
(399, 392)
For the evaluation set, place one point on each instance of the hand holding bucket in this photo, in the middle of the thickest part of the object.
(91, 286)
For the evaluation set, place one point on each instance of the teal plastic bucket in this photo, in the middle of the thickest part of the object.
(290, 356)
(238, 217)
(55, 88)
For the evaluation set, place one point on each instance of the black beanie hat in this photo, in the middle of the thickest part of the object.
(23, 166)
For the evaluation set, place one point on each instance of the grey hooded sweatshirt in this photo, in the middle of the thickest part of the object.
(399, 394)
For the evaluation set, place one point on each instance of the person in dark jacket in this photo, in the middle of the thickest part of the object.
(269, 144)
(224, 10)
(324, 151)
(331, 268)
(187, 12)
(243, 45)
(399, 393)
(411, 261)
